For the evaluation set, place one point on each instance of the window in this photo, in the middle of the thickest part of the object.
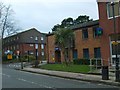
(97, 52)
(11, 39)
(17, 46)
(30, 52)
(85, 33)
(42, 38)
(116, 9)
(13, 47)
(17, 38)
(42, 53)
(36, 38)
(94, 32)
(75, 55)
(31, 45)
(42, 46)
(31, 37)
(86, 53)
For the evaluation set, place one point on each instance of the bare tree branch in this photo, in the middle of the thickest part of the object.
(7, 23)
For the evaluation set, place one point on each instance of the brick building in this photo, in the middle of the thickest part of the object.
(25, 42)
(86, 45)
(107, 23)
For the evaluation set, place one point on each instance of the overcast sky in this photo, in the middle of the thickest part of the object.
(44, 14)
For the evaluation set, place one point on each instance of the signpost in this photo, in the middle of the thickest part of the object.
(117, 72)
(115, 43)
(9, 56)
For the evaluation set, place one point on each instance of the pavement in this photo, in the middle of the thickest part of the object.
(77, 76)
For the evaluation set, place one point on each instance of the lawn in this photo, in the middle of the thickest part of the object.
(70, 68)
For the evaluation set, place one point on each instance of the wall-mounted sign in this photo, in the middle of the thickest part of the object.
(115, 43)
(9, 56)
(99, 31)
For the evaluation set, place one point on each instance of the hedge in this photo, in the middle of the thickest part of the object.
(82, 61)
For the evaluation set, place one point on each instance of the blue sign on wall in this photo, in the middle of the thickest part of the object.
(99, 31)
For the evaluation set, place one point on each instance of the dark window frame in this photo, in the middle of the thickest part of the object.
(95, 32)
(85, 33)
(109, 10)
(86, 53)
(97, 52)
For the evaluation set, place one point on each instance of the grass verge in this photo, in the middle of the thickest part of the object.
(70, 68)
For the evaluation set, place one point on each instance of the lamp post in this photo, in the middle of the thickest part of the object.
(42, 49)
(117, 60)
(21, 60)
(28, 55)
(36, 48)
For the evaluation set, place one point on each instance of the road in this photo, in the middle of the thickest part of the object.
(12, 78)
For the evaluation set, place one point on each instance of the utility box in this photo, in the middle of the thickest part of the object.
(105, 73)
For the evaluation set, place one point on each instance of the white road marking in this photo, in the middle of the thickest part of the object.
(33, 83)
(6, 75)
(99, 84)
(14, 65)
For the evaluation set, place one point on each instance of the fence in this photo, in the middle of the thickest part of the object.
(95, 63)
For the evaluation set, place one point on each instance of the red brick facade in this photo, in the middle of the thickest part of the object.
(90, 43)
(108, 29)
(25, 43)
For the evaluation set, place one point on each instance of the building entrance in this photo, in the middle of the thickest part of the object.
(57, 56)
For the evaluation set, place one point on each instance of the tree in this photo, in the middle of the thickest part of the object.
(64, 24)
(82, 19)
(64, 39)
(7, 23)
(67, 22)
(56, 27)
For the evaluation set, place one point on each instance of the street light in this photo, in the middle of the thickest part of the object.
(36, 62)
(117, 60)
(36, 48)
(42, 50)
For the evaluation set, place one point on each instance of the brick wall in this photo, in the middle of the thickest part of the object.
(24, 48)
(89, 43)
(50, 48)
(108, 29)
(80, 44)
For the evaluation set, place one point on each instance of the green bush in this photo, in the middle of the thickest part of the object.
(85, 61)
(32, 57)
(76, 61)
(81, 61)
(25, 58)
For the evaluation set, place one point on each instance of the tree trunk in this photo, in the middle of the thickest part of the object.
(69, 55)
(65, 57)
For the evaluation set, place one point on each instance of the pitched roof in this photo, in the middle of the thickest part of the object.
(83, 25)
(79, 26)
(24, 32)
